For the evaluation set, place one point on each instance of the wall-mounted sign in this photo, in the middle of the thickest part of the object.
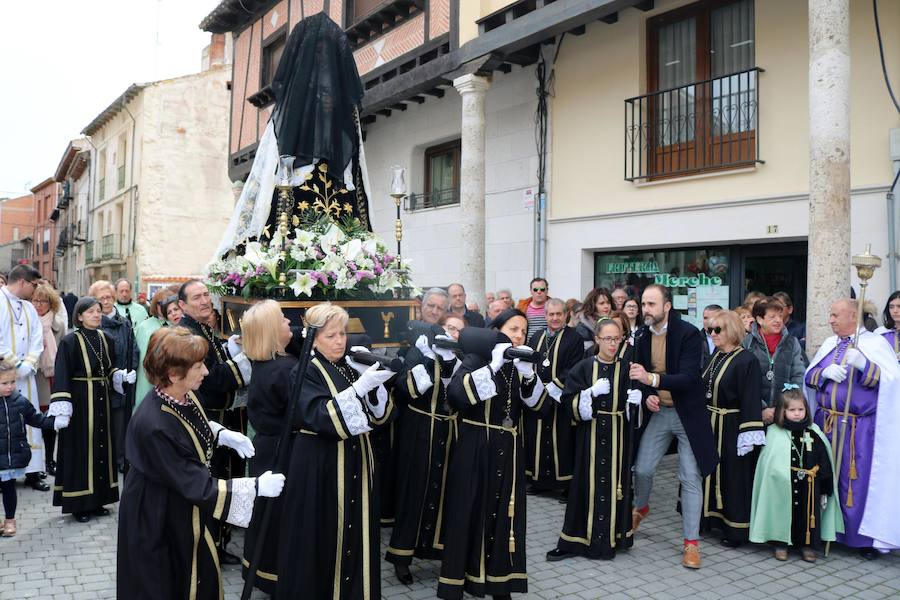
(674, 281)
(649, 266)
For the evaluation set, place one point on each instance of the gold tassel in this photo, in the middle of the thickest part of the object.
(619, 491)
(512, 542)
(850, 494)
(812, 523)
(853, 473)
(511, 510)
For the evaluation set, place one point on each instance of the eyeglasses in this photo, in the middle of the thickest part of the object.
(610, 340)
(543, 289)
(712, 330)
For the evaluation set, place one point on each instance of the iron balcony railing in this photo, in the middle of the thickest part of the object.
(704, 126)
(437, 198)
(89, 256)
(110, 248)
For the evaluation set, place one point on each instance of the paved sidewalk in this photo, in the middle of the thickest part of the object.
(55, 558)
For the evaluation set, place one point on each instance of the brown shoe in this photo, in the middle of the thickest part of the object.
(780, 553)
(808, 554)
(691, 557)
(636, 518)
(9, 528)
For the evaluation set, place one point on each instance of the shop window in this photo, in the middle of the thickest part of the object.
(120, 162)
(701, 110)
(695, 277)
(441, 177)
(271, 56)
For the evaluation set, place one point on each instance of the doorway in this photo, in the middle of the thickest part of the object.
(770, 268)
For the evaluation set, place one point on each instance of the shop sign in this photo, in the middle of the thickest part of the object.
(686, 281)
(649, 266)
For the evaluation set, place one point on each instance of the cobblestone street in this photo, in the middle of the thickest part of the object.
(53, 557)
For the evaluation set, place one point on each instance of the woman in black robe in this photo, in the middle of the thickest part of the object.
(598, 392)
(484, 548)
(330, 545)
(170, 498)
(731, 383)
(265, 332)
(85, 375)
(426, 433)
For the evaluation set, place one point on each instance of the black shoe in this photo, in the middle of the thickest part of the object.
(869, 553)
(41, 475)
(403, 574)
(51, 467)
(35, 483)
(557, 554)
(502, 597)
(82, 517)
(227, 558)
(731, 543)
(100, 512)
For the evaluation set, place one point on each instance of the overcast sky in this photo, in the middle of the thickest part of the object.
(64, 61)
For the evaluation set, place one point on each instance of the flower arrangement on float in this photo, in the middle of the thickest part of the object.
(324, 260)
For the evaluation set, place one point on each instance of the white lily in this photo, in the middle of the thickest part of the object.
(333, 236)
(303, 237)
(352, 249)
(303, 285)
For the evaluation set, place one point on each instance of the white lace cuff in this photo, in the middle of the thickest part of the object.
(244, 366)
(484, 383)
(243, 494)
(241, 397)
(352, 411)
(60, 408)
(535, 396)
(215, 427)
(586, 405)
(554, 391)
(747, 439)
(422, 378)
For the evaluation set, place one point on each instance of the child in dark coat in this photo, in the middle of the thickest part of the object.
(15, 413)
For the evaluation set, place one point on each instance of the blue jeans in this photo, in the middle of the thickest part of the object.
(664, 426)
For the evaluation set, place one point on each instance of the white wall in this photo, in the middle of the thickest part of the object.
(430, 237)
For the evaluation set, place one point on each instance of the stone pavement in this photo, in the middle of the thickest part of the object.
(55, 558)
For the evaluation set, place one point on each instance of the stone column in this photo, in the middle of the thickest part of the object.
(829, 164)
(471, 183)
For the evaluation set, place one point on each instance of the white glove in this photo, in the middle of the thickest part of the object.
(357, 366)
(370, 378)
(836, 373)
(554, 391)
(497, 359)
(130, 376)
(237, 441)
(600, 388)
(60, 422)
(635, 397)
(25, 369)
(445, 354)
(234, 345)
(526, 369)
(422, 346)
(856, 358)
(118, 378)
(269, 484)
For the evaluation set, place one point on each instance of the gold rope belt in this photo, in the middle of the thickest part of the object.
(454, 426)
(810, 493)
(511, 511)
(616, 467)
(830, 425)
(96, 379)
(717, 420)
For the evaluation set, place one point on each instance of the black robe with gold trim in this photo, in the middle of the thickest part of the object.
(86, 472)
(169, 503)
(484, 529)
(330, 544)
(267, 402)
(425, 434)
(596, 507)
(733, 409)
(549, 440)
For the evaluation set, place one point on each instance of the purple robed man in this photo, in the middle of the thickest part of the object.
(870, 377)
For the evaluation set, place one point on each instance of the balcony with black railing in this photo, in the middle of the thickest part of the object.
(110, 247)
(435, 199)
(701, 127)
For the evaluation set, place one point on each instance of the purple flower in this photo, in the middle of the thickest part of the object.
(378, 270)
(360, 275)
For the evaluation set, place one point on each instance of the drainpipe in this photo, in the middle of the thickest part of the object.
(894, 136)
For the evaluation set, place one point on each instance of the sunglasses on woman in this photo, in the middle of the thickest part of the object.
(712, 330)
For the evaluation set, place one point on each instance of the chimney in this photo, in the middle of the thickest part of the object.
(214, 53)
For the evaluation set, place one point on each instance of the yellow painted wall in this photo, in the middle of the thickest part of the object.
(597, 71)
(471, 11)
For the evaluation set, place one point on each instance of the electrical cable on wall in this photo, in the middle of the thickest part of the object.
(887, 79)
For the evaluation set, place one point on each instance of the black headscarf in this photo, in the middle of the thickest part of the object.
(317, 90)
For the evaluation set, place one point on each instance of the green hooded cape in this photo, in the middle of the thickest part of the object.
(770, 513)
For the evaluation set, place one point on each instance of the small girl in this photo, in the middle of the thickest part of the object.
(795, 469)
(16, 412)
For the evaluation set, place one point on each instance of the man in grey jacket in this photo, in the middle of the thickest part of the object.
(778, 352)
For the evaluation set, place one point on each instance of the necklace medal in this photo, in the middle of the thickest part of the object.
(801, 475)
(546, 362)
(770, 375)
(507, 422)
